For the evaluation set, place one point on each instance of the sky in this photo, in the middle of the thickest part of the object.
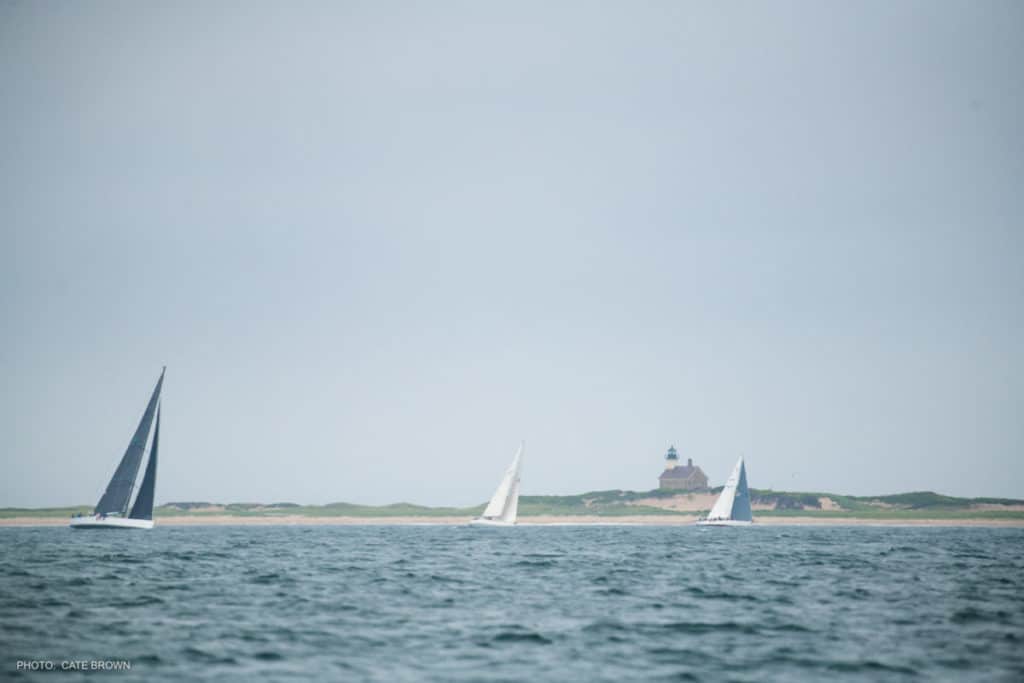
(377, 244)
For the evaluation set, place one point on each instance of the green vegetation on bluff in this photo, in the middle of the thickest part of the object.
(617, 503)
(10, 513)
(914, 505)
(607, 503)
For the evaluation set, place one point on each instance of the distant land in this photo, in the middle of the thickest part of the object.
(656, 506)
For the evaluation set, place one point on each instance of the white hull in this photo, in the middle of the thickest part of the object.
(722, 522)
(97, 522)
(479, 521)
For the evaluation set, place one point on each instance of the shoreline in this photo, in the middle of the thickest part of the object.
(539, 520)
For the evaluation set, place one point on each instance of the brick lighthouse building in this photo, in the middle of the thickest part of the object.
(686, 477)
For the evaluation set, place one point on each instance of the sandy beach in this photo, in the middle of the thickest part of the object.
(647, 520)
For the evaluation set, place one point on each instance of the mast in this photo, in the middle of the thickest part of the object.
(119, 490)
(143, 508)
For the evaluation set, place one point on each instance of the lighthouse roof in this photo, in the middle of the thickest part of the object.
(671, 455)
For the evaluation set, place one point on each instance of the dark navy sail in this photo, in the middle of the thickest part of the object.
(143, 508)
(119, 490)
(741, 503)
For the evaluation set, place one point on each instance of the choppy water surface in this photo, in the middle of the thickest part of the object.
(531, 604)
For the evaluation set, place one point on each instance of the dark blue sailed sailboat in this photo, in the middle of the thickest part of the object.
(112, 511)
(733, 505)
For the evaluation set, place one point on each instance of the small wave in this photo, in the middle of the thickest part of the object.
(54, 602)
(781, 582)
(604, 626)
(216, 555)
(674, 652)
(272, 577)
(20, 603)
(534, 563)
(973, 556)
(520, 637)
(182, 555)
(342, 607)
(439, 578)
(702, 627)
(198, 655)
(720, 595)
(901, 550)
(955, 662)
(788, 627)
(120, 559)
(870, 666)
(855, 594)
(786, 656)
(250, 637)
(140, 601)
(268, 656)
(176, 587)
(972, 614)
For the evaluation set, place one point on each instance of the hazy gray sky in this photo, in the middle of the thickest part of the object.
(377, 244)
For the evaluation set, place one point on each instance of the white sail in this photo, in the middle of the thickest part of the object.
(734, 502)
(512, 505)
(497, 505)
(504, 505)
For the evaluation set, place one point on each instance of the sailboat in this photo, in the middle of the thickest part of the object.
(733, 506)
(112, 511)
(504, 505)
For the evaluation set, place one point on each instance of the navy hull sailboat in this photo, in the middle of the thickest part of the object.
(112, 512)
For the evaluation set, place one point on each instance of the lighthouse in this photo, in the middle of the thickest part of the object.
(671, 458)
(687, 477)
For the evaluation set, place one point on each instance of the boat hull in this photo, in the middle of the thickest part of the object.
(722, 522)
(490, 522)
(97, 522)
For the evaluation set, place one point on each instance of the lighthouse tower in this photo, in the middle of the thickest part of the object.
(671, 458)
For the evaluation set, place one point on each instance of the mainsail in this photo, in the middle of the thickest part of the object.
(143, 508)
(119, 490)
(734, 503)
(504, 503)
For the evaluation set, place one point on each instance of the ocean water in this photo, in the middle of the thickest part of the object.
(445, 603)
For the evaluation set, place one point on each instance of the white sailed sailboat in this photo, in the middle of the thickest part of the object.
(112, 510)
(504, 505)
(733, 506)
